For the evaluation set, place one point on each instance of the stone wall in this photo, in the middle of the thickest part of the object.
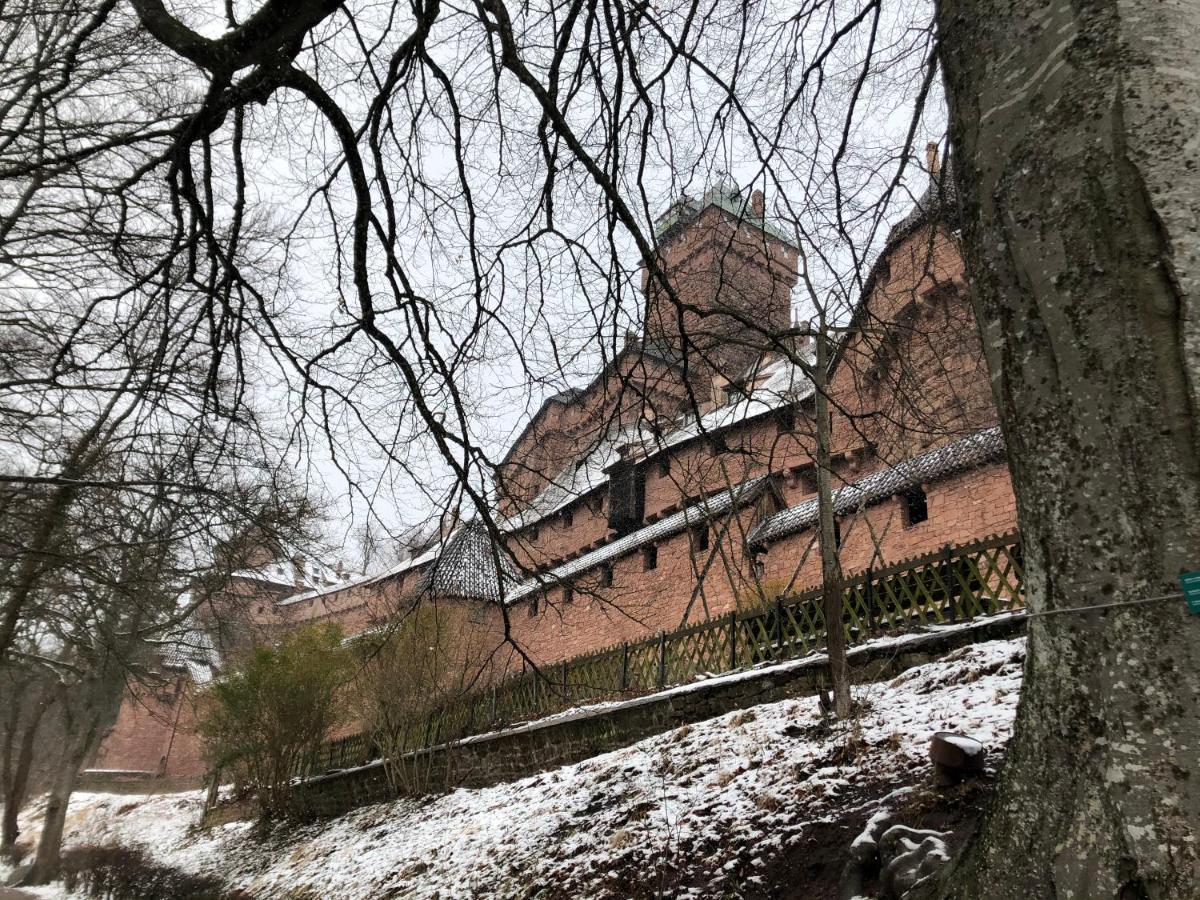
(153, 738)
(529, 749)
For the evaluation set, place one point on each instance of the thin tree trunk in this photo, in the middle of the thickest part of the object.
(16, 775)
(831, 566)
(1074, 130)
(48, 859)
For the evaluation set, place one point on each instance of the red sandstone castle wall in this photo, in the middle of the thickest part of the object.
(155, 733)
(969, 507)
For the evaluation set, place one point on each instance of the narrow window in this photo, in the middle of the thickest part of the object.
(533, 533)
(664, 465)
(700, 536)
(533, 606)
(915, 506)
(649, 558)
(785, 419)
(568, 518)
(837, 534)
(568, 593)
(606, 575)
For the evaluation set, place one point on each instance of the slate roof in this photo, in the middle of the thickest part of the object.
(470, 567)
(701, 511)
(190, 649)
(960, 456)
(938, 201)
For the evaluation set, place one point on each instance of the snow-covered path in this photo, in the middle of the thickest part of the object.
(701, 810)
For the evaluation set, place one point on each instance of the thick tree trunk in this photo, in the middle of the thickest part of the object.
(1075, 130)
(48, 859)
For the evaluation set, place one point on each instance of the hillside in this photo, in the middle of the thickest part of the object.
(762, 802)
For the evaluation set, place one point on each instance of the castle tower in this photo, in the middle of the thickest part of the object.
(733, 274)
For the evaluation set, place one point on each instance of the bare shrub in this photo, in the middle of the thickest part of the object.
(113, 872)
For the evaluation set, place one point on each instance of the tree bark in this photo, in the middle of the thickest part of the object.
(17, 768)
(1074, 130)
(48, 859)
(831, 566)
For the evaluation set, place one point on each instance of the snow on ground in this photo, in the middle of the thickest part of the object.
(703, 809)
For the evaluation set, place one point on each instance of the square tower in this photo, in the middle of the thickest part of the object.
(732, 274)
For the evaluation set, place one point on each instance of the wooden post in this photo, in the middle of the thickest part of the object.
(662, 658)
(624, 667)
(869, 599)
(565, 691)
(733, 640)
(778, 628)
(947, 554)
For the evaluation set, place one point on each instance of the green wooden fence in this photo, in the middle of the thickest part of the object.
(953, 584)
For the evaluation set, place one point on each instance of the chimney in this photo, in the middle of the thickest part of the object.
(931, 159)
(757, 204)
(298, 570)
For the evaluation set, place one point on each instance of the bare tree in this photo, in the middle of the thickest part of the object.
(380, 286)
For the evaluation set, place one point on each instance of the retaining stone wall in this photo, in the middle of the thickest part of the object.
(529, 749)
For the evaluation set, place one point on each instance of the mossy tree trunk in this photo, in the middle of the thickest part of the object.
(1076, 130)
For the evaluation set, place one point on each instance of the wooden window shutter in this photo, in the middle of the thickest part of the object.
(627, 496)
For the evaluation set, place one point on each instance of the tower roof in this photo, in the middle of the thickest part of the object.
(469, 567)
(723, 196)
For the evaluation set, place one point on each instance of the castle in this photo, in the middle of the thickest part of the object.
(680, 483)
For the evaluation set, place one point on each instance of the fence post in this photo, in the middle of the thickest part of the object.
(733, 640)
(778, 628)
(624, 666)
(662, 658)
(869, 599)
(566, 693)
(947, 554)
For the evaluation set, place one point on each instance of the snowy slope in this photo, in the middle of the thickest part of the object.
(702, 810)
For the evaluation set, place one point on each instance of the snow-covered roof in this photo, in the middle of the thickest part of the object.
(404, 565)
(699, 512)
(779, 383)
(961, 455)
(577, 478)
(725, 197)
(283, 571)
(191, 649)
(471, 567)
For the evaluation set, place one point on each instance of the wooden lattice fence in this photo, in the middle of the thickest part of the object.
(951, 585)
